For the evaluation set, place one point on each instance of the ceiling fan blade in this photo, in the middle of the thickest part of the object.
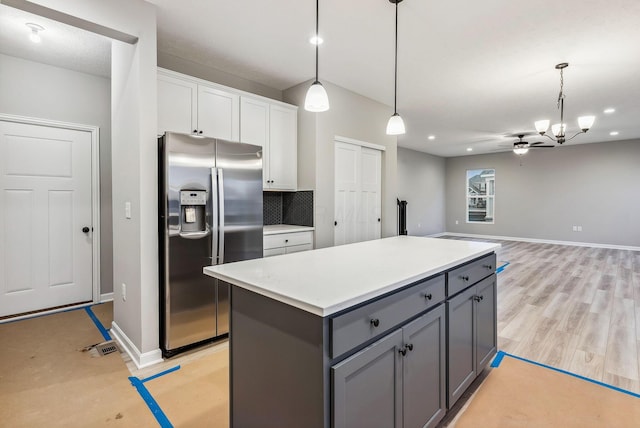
(537, 143)
(541, 147)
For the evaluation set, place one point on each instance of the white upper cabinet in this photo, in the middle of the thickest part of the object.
(283, 148)
(254, 121)
(218, 113)
(275, 128)
(189, 106)
(177, 104)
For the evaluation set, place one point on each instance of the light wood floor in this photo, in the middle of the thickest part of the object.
(573, 308)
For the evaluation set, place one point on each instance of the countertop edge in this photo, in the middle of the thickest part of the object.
(330, 310)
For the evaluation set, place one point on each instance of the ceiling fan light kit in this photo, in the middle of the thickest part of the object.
(316, 99)
(559, 129)
(395, 126)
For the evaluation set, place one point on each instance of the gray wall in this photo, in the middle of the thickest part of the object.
(353, 116)
(421, 182)
(543, 194)
(37, 90)
(191, 68)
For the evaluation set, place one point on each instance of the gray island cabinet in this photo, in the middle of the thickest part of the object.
(384, 333)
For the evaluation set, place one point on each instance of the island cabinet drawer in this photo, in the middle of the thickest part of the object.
(464, 276)
(355, 327)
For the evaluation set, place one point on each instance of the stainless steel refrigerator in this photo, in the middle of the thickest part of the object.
(210, 207)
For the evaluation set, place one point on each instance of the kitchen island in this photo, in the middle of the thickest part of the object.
(384, 333)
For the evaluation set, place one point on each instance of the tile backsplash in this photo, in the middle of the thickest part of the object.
(288, 208)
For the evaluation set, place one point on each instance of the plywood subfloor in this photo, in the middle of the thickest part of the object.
(522, 394)
(46, 379)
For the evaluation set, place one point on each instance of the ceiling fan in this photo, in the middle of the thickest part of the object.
(521, 147)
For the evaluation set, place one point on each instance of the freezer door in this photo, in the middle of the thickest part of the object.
(240, 185)
(189, 296)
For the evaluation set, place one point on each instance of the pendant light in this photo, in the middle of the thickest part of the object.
(316, 99)
(395, 126)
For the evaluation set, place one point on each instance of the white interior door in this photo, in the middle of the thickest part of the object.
(45, 202)
(371, 190)
(347, 183)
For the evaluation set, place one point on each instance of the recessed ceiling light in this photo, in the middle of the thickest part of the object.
(613, 133)
(35, 29)
(316, 40)
(469, 149)
(431, 137)
(609, 110)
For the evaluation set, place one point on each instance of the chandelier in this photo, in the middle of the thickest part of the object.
(559, 129)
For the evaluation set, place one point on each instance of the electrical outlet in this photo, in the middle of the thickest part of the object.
(575, 228)
(124, 292)
(579, 228)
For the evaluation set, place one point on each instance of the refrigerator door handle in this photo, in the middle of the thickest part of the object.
(221, 215)
(214, 216)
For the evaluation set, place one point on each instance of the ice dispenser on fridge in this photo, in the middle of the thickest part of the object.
(193, 211)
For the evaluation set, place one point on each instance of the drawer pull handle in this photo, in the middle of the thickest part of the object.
(375, 322)
(488, 266)
(464, 278)
(428, 296)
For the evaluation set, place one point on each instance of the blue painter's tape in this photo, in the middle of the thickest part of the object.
(501, 268)
(173, 369)
(597, 382)
(151, 403)
(98, 324)
(498, 359)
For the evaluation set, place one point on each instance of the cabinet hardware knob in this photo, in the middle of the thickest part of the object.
(335, 223)
(195, 131)
(378, 220)
(403, 351)
(409, 346)
(481, 297)
(85, 229)
(488, 266)
(375, 322)
(428, 296)
(464, 278)
(200, 132)
(478, 298)
(286, 240)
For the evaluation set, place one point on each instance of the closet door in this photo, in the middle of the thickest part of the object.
(358, 186)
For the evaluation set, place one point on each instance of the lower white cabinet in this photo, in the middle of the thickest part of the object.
(399, 381)
(287, 243)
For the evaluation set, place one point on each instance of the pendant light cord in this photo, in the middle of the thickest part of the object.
(395, 76)
(317, 36)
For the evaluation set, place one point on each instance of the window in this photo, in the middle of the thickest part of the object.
(481, 195)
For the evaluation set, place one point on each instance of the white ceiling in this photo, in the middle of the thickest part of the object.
(470, 72)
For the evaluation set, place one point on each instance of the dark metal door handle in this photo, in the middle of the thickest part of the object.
(375, 322)
(85, 229)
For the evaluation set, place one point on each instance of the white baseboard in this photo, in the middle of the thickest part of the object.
(437, 235)
(140, 359)
(543, 241)
(106, 297)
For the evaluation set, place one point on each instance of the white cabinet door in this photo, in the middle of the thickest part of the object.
(347, 183)
(218, 113)
(358, 188)
(282, 154)
(254, 121)
(177, 105)
(370, 194)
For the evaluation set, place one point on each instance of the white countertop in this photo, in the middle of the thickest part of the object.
(275, 229)
(328, 280)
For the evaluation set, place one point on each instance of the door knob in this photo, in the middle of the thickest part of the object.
(85, 229)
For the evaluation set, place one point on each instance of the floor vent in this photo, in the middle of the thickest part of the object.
(106, 348)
